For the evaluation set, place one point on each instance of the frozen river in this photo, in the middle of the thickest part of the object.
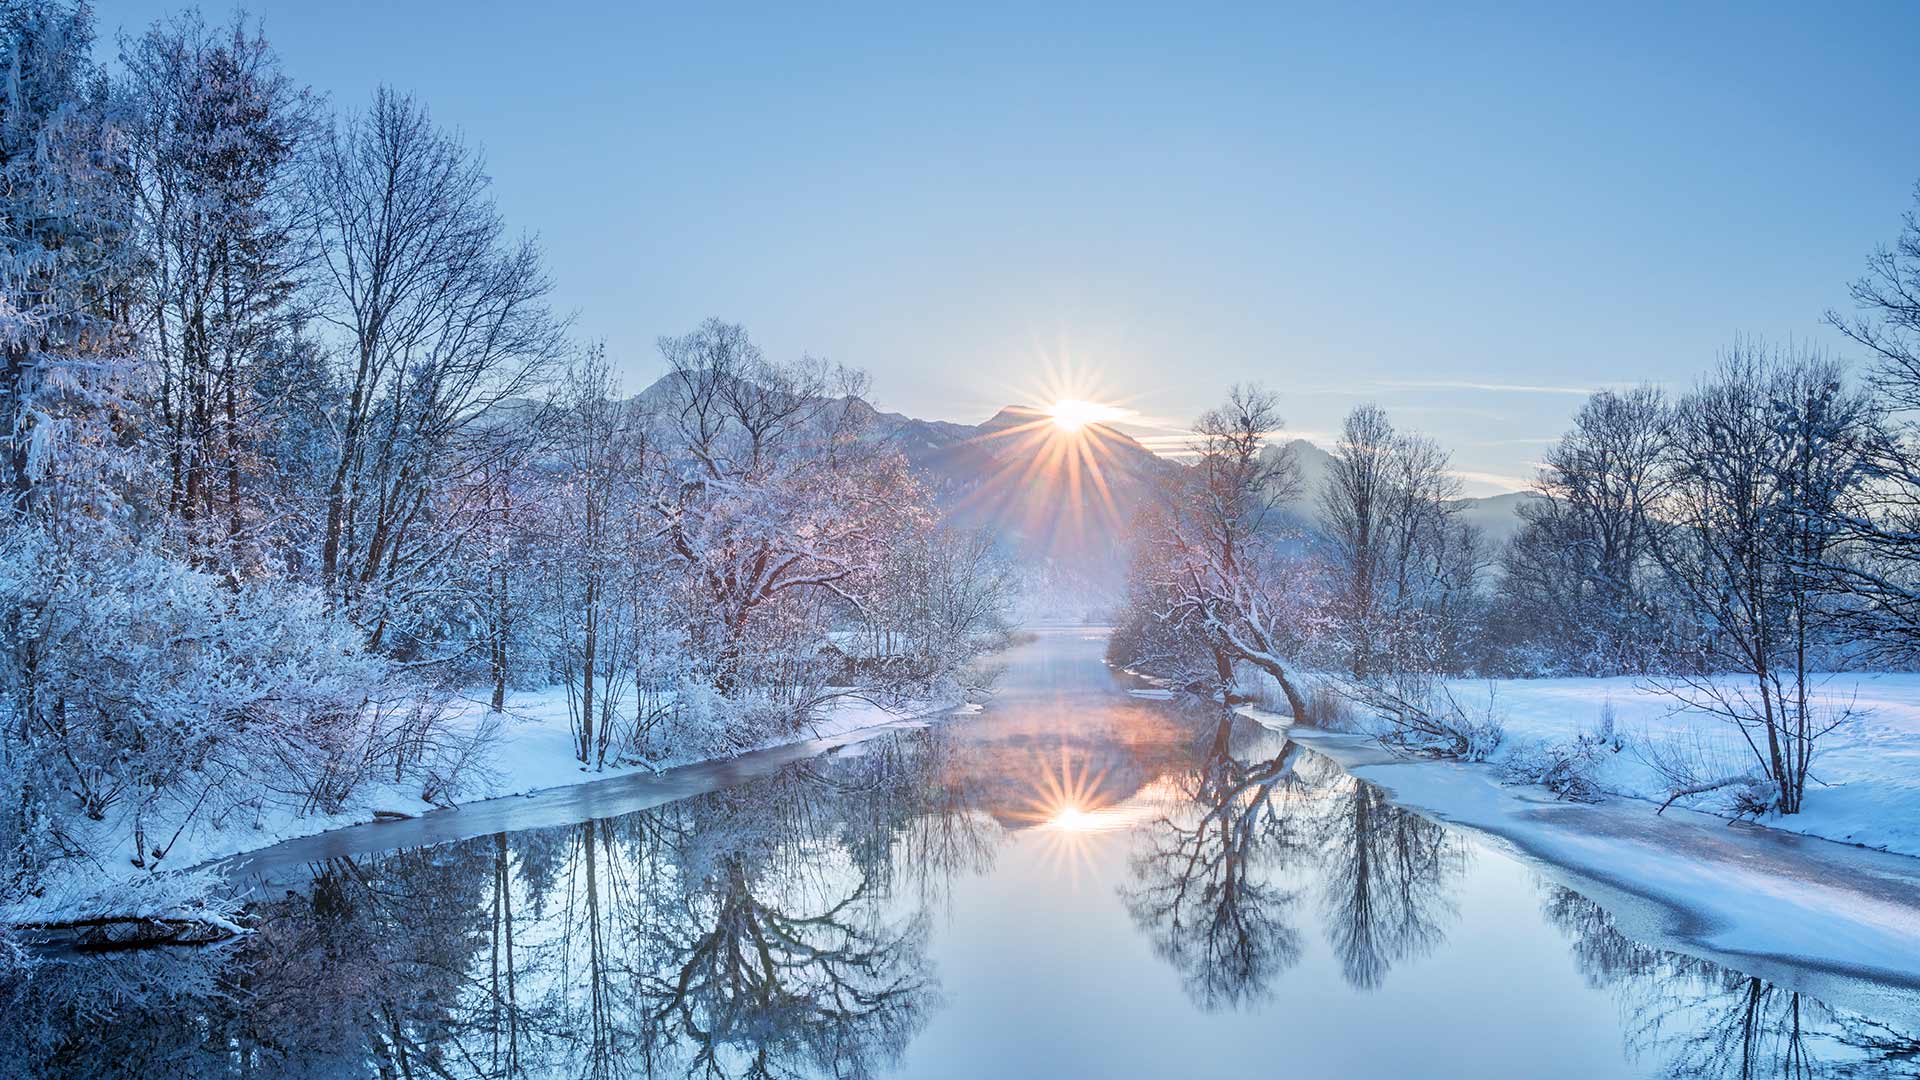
(1080, 881)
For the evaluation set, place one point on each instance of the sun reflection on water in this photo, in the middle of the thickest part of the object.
(1070, 813)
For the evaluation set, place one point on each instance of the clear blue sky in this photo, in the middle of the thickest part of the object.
(1389, 204)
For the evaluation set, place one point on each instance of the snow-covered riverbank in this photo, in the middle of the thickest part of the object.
(1865, 783)
(1864, 787)
(529, 748)
(1777, 903)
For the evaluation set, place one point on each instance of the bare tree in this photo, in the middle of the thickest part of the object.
(1759, 455)
(1354, 517)
(1879, 521)
(1582, 564)
(1223, 584)
(444, 322)
(1403, 565)
(603, 452)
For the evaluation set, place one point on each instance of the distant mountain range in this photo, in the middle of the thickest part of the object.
(1497, 516)
(1061, 501)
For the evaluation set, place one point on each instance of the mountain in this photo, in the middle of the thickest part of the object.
(1060, 501)
(1497, 515)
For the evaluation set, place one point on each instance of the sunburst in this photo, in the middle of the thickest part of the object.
(1072, 414)
(1054, 460)
(1068, 815)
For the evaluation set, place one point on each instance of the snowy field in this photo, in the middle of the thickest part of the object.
(1865, 782)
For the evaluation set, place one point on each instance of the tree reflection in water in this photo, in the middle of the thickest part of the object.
(780, 928)
(773, 929)
(1203, 881)
(1216, 877)
(1695, 1019)
(1387, 878)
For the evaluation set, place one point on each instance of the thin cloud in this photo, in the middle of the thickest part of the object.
(1537, 440)
(1499, 480)
(1142, 420)
(1492, 387)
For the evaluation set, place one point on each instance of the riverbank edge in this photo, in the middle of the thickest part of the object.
(191, 892)
(1838, 921)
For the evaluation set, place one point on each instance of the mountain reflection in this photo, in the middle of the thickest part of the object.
(1691, 1018)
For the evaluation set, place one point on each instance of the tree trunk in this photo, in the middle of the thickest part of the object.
(586, 692)
(1295, 703)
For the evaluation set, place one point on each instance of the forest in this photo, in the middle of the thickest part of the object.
(297, 450)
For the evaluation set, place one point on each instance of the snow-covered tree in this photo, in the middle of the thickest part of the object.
(1208, 569)
(774, 508)
(1581, 569)
(65, 264)
(215, 132)
(1405, 571)
(443, 325)
(1761, 452)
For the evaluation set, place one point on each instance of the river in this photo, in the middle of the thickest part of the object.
(1082, 880)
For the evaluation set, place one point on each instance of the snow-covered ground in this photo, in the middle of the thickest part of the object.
(1865, 786)
(531, 749)
(1839, 922)
(1865, 780)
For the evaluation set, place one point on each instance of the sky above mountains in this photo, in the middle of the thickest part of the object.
(1472, 216)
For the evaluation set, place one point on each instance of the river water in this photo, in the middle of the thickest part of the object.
(1080, 881)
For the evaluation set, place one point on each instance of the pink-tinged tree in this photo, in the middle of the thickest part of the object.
(1216, 574)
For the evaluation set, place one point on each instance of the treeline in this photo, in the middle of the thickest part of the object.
(1764, 524)
(294, 446)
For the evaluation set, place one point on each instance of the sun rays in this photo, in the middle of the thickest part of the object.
(1053, 462)
(1069, 813)
(1066, 797)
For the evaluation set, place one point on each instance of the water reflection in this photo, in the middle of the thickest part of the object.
(1206, 885)
(750, 932)
(789, 926)
(1386, 880)
(1255, 819)
(1689, 1018)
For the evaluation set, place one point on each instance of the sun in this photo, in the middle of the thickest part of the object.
(1072, 414)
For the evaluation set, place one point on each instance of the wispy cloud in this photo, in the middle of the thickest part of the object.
(1167, 445)
(1489, 387)
(1536, 440)
(1499, 480)
(1158, 423)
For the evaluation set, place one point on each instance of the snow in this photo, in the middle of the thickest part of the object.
(531, 750)
(1863, 789)
(1866, 774)
(1838, 921)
